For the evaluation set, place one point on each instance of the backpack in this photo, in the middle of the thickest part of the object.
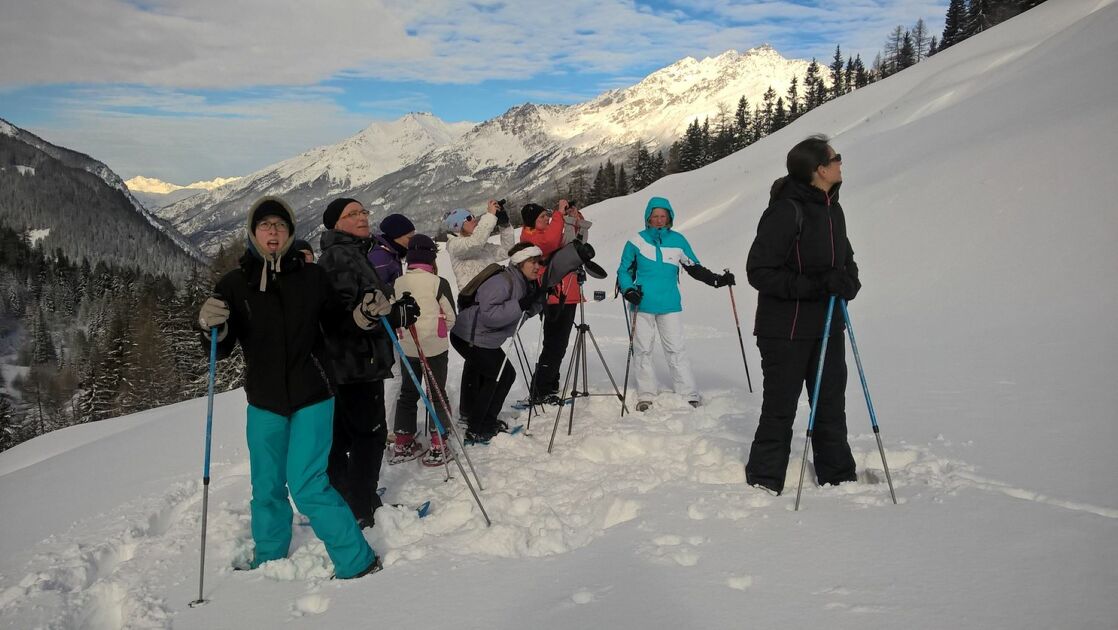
(467, 296)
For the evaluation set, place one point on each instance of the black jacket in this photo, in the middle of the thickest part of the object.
(279, 330)
(356, 357)
(787, 271)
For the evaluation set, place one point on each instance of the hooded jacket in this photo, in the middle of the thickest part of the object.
(387, 259)
(787, 269)
(278, 307)
(652, 260)
(361, 356)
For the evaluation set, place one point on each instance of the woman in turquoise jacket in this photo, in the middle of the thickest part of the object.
(649, 279)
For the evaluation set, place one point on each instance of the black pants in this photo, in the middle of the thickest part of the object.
(558, 320)
(360, 434)
(787, 365)
(487, 396)
(409, 395)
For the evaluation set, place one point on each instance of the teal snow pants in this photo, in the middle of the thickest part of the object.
(291, 452)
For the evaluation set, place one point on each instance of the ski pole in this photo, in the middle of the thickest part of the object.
(815, 394)
(441, 395)
(737, 322)
(869, 402)
(629, 358)
(431, 408)
(206, 465)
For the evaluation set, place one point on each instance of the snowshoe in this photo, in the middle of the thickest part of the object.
(405, 449)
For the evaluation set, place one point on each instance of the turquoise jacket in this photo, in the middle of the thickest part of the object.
(652, 260)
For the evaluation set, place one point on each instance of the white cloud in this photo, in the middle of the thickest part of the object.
(225, 139)
(212, 43)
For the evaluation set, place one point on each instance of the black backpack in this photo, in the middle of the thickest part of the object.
(467, 296)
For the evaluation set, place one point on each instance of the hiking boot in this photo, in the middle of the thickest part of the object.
(765, 489)
(644, 405)
(405, 449)
(479, 437)
(371, 569)
(437, 455)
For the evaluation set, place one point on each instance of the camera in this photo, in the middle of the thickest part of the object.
(599, 296)
(501, 203)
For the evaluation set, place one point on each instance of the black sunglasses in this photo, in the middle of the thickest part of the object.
(837, 158)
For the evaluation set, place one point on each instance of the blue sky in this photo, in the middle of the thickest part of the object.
(186, 91)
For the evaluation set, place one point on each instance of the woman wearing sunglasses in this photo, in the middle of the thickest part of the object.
(800, 257)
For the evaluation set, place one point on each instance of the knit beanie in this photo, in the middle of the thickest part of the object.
(422, 250)
(396, 225)
(529, 213)
(271, 208)
(334, 211)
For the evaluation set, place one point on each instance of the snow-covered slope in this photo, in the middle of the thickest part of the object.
(979, 216)
(156, 193)
(307, 179)
(423, 167)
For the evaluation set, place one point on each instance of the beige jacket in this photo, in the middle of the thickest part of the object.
(470, 254)
(433, 294)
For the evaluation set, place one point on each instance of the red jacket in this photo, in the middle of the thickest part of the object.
(549, 240)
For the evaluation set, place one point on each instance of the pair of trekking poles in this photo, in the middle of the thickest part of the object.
(439, 426)
(632, 326)
(815, 389)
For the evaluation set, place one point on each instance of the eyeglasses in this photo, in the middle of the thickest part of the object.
(836, 158)
(357, 213)
(272, 226)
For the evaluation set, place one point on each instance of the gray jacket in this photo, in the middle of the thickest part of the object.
(494, 317)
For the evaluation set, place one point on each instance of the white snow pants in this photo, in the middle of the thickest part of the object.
(670, 327)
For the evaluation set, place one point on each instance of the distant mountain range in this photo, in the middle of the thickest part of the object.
(156, 193)
(422, 166)
(76, 204)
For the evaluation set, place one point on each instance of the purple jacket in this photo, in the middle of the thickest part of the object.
(387, 259)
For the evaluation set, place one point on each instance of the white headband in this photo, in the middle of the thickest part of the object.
(525, 254)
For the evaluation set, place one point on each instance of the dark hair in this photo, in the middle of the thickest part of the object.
(808, 155)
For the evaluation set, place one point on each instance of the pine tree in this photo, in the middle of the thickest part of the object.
(907, 56)
(722, 144)
(848, 76)
(9, 429)
(861, 78)
(953, 24)
(837, 85)
(780, 117)
(610, 180)
(768, 106)
(793, 96)
(691, 149)
(741, 123)
(43, 352)
(892, 54)
(600, 188)
(811, 89)
(979, 18)
(933, 46)
(671, 165)
(622, 181)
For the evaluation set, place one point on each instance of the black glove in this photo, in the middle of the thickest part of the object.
(725, 280)
(633, 295)
(838, 282)
(502, 217)
(535, 294)
(405, 312)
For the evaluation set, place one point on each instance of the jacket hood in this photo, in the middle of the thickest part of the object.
(659, 202)
(788, 188)
(263, 207)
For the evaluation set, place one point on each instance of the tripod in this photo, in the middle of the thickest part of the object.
(578, 365)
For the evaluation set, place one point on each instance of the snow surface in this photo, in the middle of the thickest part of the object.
(37, 235)
(25, 170)
(985, 240)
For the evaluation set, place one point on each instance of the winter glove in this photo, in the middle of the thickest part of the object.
(838, 282)
(535, 294)
(214, 313)
(502, 217)
(405, 312)
(633, 296)
(725, 280)
(373, 306)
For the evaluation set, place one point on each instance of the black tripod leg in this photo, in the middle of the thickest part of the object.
(559, 413)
